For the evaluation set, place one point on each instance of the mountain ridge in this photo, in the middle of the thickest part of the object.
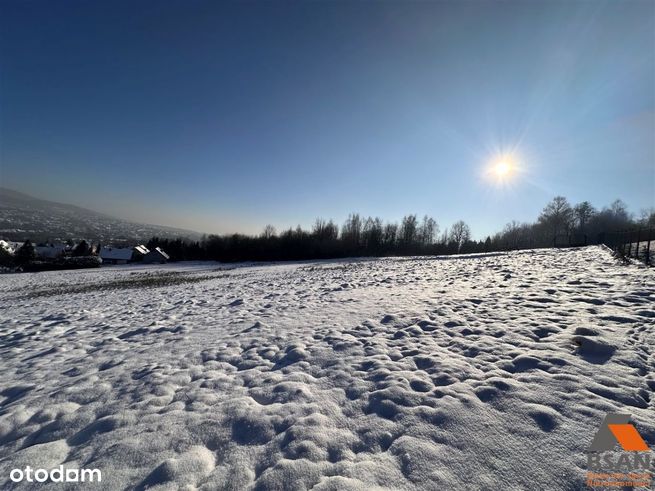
(23, 217)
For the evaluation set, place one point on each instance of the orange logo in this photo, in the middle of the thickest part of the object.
(628, 437)
(616, 428)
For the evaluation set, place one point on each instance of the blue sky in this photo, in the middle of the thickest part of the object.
(223, 117)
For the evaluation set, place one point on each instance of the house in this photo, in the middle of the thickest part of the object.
(123, 255)
(116, 255)
(156, 255)
(50, 251)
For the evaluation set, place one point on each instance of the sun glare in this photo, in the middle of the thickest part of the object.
(502, 168)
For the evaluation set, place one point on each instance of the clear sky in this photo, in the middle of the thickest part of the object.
(222, 117)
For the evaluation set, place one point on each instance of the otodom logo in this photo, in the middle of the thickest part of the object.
(618, 456)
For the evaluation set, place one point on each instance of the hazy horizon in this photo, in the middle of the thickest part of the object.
(225, 117)
(308, 226)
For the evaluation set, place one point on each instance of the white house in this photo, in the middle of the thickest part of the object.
(156, 256)
(122, 255)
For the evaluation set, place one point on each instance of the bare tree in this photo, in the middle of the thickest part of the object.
(428, 230)
(516, 235)
(460, 234)
(557, 217)
(620, 211)
(409, 230)
(443, 240)
(325, 230)
(647, 217)
(390, 234)
(319, 227)
(269, 232)
(351, 232)
(583, 213)
(372, 233)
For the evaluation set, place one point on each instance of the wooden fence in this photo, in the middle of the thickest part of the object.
(637, 243)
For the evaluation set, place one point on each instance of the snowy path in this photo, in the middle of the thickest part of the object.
(488, 372)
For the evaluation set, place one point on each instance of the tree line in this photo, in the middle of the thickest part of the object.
(559, 224)
(358, 236)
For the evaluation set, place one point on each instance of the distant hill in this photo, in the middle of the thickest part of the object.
(25, 217)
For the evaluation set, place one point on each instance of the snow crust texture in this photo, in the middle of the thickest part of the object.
(482, 372)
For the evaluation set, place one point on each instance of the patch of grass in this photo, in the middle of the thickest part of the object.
(163, 279)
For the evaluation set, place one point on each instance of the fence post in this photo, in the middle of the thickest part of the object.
(648, 247)
(637, 247)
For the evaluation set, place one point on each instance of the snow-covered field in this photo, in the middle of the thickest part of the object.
(487, 372)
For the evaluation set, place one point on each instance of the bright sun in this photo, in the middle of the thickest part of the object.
(502, 168)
